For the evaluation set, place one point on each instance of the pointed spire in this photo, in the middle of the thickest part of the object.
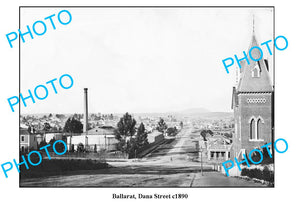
(246, 82)
(253, 26)
(253, 41)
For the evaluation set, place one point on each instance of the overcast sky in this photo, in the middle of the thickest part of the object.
(139, 59)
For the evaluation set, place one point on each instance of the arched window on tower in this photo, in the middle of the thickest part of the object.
(258, 128)
(252, 129)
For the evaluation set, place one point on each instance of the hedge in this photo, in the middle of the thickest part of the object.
(264, 174)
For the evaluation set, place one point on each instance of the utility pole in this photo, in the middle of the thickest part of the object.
(201, 150)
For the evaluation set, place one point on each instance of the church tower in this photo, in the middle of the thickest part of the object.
(252, 102)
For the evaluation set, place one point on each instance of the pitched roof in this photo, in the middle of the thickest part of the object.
(24, 131)
(248, 83)
(154, 133)
(103, 130)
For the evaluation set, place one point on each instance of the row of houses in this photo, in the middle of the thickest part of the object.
(29, 140)
(97, 139)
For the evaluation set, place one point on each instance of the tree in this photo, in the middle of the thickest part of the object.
(51, 142)
(135, 144)
(43, 143)
(203, 134)
(131, 147)
(31, 129)
(181, 124)
(60, 116)
(46, 127)
(59, 147)
(121, 145)
(76, 116)
(95, 148)
(73, 125)
(80, 147)
(125, 130)
(161, 126)
(141, 136)
(171, 131)
(23, 120)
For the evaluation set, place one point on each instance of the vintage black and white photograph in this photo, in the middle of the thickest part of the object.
(147, 97)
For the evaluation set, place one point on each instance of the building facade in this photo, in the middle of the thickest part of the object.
(155, 137)
(218, 148)
(93, 142)
(252, 102)
(28, 141)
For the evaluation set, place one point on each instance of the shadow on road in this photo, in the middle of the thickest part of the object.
(130, 169)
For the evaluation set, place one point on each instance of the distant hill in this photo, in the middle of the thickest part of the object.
(217, 115)
(204, 113)
(193, 111)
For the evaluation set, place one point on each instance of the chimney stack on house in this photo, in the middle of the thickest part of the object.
(86, 114)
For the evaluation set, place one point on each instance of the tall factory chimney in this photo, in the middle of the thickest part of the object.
(86, 114)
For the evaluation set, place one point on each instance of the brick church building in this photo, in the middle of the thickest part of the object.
(252, 102)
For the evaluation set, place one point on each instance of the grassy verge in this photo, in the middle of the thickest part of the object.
(60, 167)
